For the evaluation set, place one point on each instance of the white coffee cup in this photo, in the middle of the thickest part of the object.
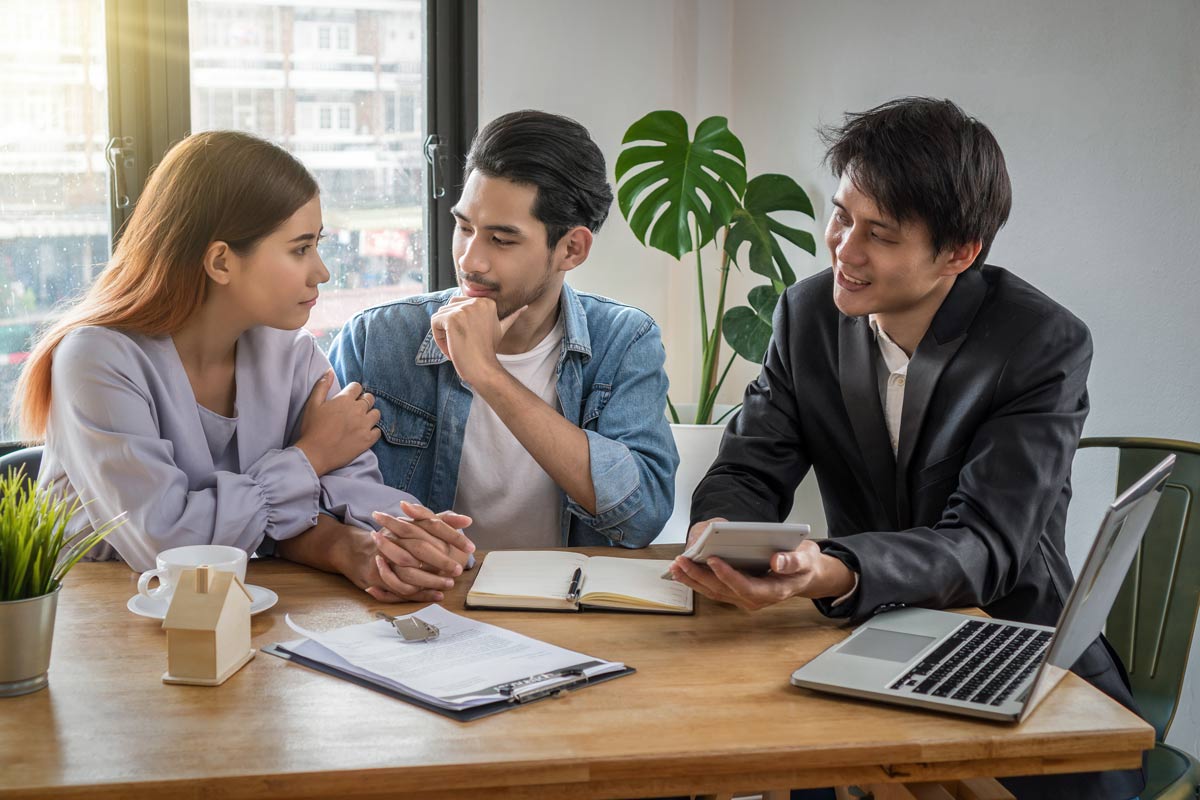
(172, 563)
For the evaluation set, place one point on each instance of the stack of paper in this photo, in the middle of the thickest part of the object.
(470, 664)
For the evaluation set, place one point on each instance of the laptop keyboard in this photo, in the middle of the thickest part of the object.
(981, 662)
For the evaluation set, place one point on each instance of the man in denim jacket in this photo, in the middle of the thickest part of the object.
(534, 409)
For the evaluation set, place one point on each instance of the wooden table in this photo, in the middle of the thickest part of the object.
(709, 710)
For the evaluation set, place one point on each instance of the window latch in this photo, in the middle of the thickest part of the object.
(121, 158)
(435, 154)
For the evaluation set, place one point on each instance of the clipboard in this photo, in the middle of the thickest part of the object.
(521, 693)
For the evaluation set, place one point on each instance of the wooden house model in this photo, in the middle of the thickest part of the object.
(208, 628)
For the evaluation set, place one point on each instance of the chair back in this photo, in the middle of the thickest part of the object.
(1152, 622)
(28, 457)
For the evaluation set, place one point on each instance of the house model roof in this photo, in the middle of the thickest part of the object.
(200, 597)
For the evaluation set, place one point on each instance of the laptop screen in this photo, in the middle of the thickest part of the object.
(1107, 563)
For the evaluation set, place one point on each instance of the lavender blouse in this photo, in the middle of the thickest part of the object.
(126, 434)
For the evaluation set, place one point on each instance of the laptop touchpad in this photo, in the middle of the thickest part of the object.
(887, 645)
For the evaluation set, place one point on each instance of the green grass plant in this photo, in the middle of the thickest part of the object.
(35, 551)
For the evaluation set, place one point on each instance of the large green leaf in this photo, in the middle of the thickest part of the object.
(747, 329)
(753, 223)
(673, 179)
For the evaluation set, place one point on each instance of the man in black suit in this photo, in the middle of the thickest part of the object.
(939, 401)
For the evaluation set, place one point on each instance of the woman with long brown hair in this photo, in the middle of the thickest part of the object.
(183, 390)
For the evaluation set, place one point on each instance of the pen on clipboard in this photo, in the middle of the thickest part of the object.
(573, 591)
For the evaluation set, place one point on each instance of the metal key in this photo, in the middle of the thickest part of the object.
(410, 628)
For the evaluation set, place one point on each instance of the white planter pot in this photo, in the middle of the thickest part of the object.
(698, 446)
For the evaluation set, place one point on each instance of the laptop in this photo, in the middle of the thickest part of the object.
(978, 666)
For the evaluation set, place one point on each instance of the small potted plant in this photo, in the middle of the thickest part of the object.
(679, 195)
(35, 554)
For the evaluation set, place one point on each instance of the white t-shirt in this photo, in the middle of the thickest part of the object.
(509, 497)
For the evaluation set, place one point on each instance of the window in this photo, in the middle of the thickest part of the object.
(372, 186)
(323, 119)
(344, 86)
(406, 113)
(333, 38)
(54, 215)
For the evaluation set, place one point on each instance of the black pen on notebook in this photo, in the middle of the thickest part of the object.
(573, 591)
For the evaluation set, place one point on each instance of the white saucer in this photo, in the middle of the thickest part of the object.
(261, 598)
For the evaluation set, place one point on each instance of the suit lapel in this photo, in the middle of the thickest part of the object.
(860, 393)
(945, 336)
(924, 371)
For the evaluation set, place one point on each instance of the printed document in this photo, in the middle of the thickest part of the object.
(470, 663)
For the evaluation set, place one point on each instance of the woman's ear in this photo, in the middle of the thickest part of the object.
(217, 257)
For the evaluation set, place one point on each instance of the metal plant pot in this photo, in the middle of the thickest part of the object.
(26, 632)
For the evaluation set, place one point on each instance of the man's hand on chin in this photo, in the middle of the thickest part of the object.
(468, 330)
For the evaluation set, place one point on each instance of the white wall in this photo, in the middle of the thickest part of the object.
(606, 64)
(1096, 104)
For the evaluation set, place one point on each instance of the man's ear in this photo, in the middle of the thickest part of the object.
(217, 262)
(573, 248)
(961, 257)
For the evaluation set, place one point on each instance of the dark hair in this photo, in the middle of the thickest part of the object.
(554, 154)
(921, 158)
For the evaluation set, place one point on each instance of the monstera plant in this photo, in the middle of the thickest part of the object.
(681, 194)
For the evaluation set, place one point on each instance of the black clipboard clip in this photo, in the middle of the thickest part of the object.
(536, 687)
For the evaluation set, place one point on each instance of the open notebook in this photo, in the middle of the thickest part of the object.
(541, 579)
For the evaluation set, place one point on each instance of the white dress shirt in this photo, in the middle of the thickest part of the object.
(895, 361)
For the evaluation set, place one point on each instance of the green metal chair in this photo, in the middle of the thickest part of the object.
(1154, 617)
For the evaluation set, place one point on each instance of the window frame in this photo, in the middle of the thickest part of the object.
(452, 113)
(149, 106)
(149, 92)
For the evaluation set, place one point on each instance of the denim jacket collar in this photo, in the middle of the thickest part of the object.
(575, 331)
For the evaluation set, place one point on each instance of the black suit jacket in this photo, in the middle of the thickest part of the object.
(972, 510)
